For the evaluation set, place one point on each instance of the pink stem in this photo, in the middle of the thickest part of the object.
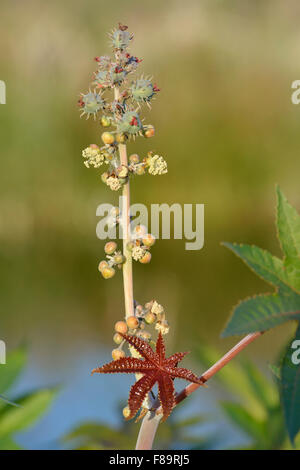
(151, 420)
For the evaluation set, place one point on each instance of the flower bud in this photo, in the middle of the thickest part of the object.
(126, 412)
(105, 121)
(139, 309)
(108, 273)
(121, 327)
(146, 258)
(150, 318)
(122, 171)
(149, 132)
(134, 158)
(117, 354)
(117, 338)
(140, 231)
(103, 264)
(119, 259)
(132, 322)
(140, 170)
(149, 240)
(121, 138)
(104, 176)
(107, 138)
(130, 246)
(110, 248)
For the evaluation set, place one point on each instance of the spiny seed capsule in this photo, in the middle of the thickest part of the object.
(92, 102)
(146, 258)
(134, 158)
(105, 121)
(117, 338)
(150, 318)
(149, 132)
(142, 90)
(119, 259)
(126, 412)
(108, 273)
(149, 240)
(110, 248)
(107, 138)
(103, 264)
(121, 327)
(132, 322)
(130, 123)
(117, 354)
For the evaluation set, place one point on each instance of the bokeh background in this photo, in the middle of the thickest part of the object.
(226, 125)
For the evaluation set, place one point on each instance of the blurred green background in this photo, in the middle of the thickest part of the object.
(225, 123)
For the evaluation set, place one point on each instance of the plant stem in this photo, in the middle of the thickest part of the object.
(127, 266)
(151, 420)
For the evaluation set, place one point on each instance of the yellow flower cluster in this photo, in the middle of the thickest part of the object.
(157, 165)
(92, 156)
(113, 183)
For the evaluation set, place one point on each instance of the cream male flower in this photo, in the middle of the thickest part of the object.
(138, 253)
(157, 165)
(92, 156)
(113, 183)
(157, 308)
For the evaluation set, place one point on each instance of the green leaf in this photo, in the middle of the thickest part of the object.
(268, 267)
(31, 408)
(288, 225)
(267, 311)
(9, 372)
(290, 386)
(263, 312)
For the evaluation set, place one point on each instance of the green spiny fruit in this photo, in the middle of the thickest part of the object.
(130, 123)
(142, 90)
(91, 103)
(120, 39)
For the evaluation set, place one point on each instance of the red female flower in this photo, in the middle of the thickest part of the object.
(155, 367)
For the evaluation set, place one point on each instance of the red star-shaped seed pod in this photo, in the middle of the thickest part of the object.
(155, 367)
